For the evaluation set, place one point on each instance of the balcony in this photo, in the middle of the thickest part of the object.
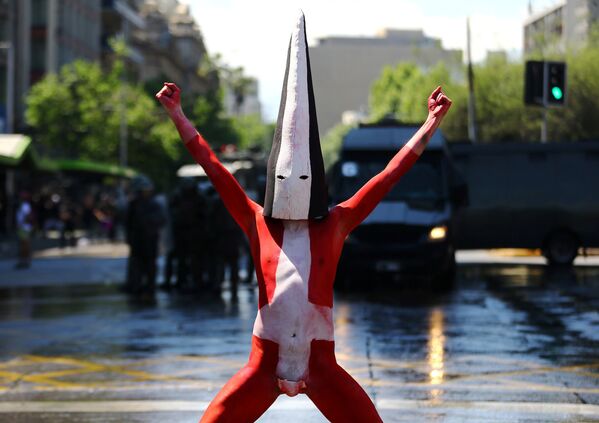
(122, 9)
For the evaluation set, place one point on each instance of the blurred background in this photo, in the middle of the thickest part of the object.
(470, 293)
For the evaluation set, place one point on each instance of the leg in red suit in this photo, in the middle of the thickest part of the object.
(249, 393)
(336, 394)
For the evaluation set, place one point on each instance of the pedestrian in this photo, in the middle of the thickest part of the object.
(67, 227)
(24, 230)
(296, 242)
(229, 241)
(145, 218)
(188, 220)
(172, 256)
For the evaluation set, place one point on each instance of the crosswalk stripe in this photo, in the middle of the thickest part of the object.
(145, 406)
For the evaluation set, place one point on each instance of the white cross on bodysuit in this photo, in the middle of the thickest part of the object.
(290, 319)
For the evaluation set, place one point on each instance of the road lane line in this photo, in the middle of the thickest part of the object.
(145, 406)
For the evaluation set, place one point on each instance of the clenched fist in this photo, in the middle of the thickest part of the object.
(438, 104)
(170, 97)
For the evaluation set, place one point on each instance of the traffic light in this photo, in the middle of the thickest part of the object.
(556, 83)
(533, 82)
(545, 83)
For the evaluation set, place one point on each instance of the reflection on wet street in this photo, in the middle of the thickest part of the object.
(509, 343)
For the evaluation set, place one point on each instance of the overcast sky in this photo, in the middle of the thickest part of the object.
(254, 34)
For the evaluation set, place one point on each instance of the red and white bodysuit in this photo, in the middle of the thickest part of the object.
(293, 336)
(295, 256)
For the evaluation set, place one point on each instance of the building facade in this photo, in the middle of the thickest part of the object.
(566, 25)
(172, 47)
(39, 36)
(344, 68)
(247, 104)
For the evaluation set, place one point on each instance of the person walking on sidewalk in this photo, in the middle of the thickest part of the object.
(24, 230)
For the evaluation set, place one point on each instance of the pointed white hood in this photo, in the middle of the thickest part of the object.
(295, 187)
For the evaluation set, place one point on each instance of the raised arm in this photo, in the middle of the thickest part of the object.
(241, 207)
(357, 208)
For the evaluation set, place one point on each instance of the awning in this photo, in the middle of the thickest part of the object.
(93, 167)
(194, 170)
(13, 148)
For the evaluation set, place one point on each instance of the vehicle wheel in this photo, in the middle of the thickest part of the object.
(561, 248)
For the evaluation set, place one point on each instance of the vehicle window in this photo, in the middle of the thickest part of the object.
(422, 183)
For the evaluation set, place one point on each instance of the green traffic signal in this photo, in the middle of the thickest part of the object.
(557, 93)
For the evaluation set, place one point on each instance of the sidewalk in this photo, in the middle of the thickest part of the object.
(105, 263)
(86, 264)
(9, 245)
(514, 257)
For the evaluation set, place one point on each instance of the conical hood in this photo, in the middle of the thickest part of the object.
(295, 185)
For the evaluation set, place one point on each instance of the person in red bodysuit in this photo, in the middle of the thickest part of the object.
(296, 242)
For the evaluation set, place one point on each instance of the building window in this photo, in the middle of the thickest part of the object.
(38, 55)
(39, 12)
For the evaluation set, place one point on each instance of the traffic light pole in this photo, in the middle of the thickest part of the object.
(544, 126)
(545, 96)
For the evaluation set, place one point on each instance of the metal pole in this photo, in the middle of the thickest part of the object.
(545, 94)
(10, 69)
(10, 89)
(123, 111)
(544, 126)
(472, 129)
(10, 196)
(123, 130)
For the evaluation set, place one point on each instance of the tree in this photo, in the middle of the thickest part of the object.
(387, 92)
(209, 117)
(331, 143)
(578, 119)
(253, 133)
(77, 114)
(500, 109)
(247, 131)
(401, 93)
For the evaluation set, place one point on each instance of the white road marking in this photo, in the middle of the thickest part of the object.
(297, 404)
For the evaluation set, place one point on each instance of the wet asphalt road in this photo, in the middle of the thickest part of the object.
(511, 343)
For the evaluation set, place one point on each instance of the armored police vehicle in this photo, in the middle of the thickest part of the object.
(410, 234)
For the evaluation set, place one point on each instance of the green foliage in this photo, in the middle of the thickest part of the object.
(209, 117)
(401, 92)
(78, 113)
(331, 143)
(388, 92)
(65, 111)
(253, 133)
(500, 109)
(578, 120)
